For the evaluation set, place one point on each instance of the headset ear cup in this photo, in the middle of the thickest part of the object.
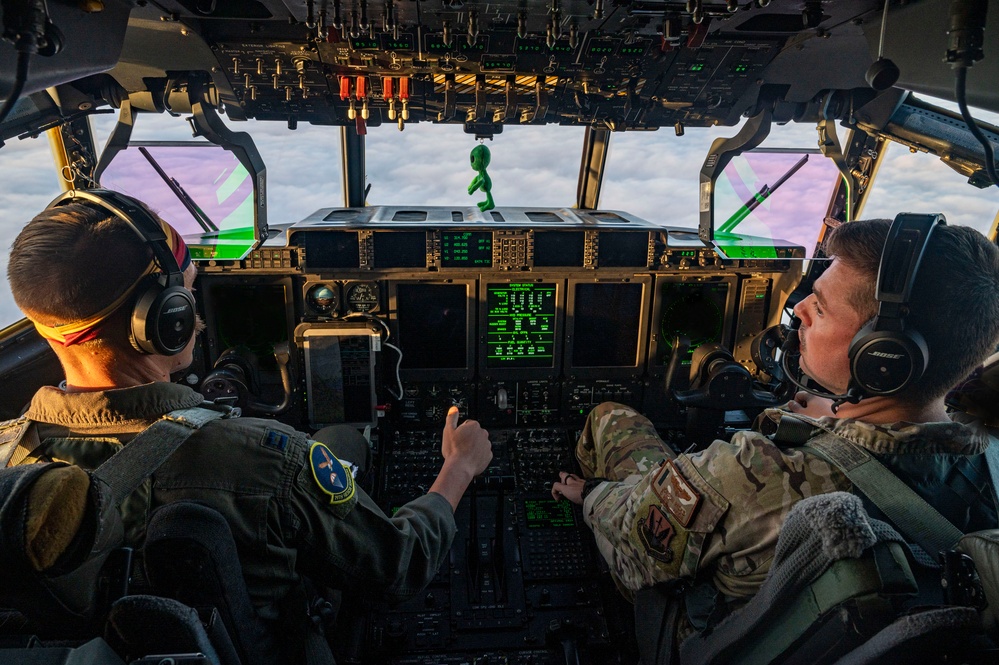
(886, 362)
(163, 319)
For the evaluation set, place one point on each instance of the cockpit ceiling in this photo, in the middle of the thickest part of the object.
(638, 65)
(614, 64)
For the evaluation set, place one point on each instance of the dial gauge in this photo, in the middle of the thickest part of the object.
(362, 297)
(323, 298)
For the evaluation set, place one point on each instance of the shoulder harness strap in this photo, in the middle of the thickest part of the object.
(916, 518)
(18, 439)
(124, 471)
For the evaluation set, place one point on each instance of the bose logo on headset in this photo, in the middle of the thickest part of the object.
(880, 354)
(163, 318)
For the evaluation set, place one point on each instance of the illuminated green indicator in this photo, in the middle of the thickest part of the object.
(697, 67)
(364, 44)
(599, 50)
(761, 296)
(561, 48)
(528, 48)
(741, 68)
(477, 46)
(405, 44)
(466, 249)
(633, 50)
(549, 513)
(499, 63)
(520, 325)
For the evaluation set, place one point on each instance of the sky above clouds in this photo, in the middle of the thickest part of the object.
(653, 175)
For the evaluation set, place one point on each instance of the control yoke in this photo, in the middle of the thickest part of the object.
(235, 380)
(717, 384)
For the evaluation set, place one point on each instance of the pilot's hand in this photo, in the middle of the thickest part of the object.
(810, 405)
(570, 487)
(467, 443)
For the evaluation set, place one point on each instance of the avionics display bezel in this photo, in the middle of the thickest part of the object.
(644, 283)
(558, 320)
(437, 374)
(657, 368)
(209, 294)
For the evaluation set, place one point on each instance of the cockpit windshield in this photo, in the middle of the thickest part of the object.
(198, 187)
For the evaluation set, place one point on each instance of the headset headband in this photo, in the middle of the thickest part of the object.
(139, 219)
(907, 240)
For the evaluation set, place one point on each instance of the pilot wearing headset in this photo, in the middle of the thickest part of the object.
(109, 285)
(883, 357)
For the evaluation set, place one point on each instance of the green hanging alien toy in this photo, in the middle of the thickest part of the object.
(480, 160)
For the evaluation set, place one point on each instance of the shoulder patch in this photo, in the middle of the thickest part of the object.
(330, 475)
(656, 533)
(676, 493)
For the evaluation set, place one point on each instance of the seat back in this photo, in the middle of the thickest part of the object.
(190, 563)
(190, 556)
(837, 592)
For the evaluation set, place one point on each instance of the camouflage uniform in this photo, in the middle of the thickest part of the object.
(257, 474)
(664, 516)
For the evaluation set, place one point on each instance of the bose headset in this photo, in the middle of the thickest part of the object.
(163, 318)
(886, 355)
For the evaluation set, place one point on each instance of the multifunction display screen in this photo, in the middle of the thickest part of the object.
(549, 513)
(466, 249)
(520, 325)
(695, 310)
(605, 328)
(433, 325)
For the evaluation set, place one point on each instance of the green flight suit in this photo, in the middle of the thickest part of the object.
(257, 474)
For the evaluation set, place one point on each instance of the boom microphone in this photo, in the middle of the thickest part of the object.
(790, 363)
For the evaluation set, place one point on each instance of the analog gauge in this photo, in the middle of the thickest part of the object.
(323, 298)
(362, 297)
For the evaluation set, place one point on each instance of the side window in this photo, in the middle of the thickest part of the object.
(27, 184)
(922, 183)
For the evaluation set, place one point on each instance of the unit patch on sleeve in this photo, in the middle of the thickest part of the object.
(656, 533)
(330, 474)
(676, 493)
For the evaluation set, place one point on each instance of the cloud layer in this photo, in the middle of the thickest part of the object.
(653, 175)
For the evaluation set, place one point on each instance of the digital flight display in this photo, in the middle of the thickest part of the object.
(547, 513)
(605, 325)
(329, 250)
(433, 325)
(401, 249)
(559, 249)
(466, 249)
(692, 309)
(520, 325)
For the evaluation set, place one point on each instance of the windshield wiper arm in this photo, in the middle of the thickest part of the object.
(759, 197)
(199, 215)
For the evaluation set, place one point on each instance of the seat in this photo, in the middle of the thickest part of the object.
(834, 594)
(190, 557)
(200, 605)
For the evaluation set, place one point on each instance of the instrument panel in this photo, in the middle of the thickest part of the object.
(524, 319)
